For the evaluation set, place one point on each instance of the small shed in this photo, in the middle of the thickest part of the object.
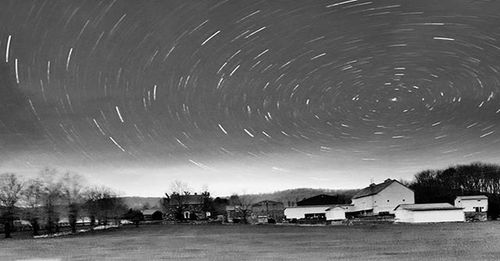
(478, 203)
(428, 213)
(475, 207)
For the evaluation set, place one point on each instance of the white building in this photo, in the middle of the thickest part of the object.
(382, 198)
(477, 203)
(325, 212)
(336, 212)
(428, 213)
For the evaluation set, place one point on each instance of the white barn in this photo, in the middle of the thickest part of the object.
(478, 203)
(382, 198)
(327, 212)
(428, 213)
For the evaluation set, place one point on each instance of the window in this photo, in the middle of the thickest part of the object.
(387, 200)
(403, 200)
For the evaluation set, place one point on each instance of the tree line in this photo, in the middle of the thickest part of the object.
(50, 195)
(460, 180)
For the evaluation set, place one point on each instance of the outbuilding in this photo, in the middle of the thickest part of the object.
(306, 212)
(428, 213)
(475, 207)
(319, 212)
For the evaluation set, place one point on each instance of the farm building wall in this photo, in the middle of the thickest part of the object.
(389, 198)
(470, 205)
(300, 212)
(364, 203)
(385, 200)
(336, 213)
(429, 216)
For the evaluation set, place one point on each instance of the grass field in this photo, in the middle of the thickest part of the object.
(451, 241)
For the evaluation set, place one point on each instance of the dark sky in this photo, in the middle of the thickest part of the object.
(247, 96)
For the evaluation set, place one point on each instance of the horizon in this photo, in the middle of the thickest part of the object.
(247, 97)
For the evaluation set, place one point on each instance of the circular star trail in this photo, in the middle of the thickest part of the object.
(313, 92)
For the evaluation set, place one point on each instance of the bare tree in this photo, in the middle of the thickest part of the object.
(32, 200)
(72, 192)
(180, 187)
(51, 196)
(243, 206)
(10, 193)
(102, 203)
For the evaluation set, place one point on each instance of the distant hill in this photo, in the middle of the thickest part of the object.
(285, 196)
(294, 195)
(140, 202)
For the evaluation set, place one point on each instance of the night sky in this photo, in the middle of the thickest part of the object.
(246, 95)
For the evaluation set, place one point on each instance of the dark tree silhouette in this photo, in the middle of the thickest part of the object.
(10, 193)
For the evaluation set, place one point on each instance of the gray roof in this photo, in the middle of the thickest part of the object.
(473, 197)
(427, 206)
(375, 188)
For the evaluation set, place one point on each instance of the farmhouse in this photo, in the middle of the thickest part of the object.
(379, 199)
(475, 207)
(191, 206)
(428, 213)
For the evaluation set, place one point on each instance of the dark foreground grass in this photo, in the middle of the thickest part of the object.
(451, 241)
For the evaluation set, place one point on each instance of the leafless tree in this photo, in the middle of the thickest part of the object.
(243, 206)
(51, 192)
(32, 201)
(10, 193)
(72, 192)
(102, 204)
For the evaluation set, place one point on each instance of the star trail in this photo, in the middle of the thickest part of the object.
(248, 96)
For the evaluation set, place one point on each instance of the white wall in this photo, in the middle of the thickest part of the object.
(389, 198)
(337, 213)
(299, 212)
(429, 216)
(469, 204)
(364, 203)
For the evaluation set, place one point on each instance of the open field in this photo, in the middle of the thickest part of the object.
(452, 241)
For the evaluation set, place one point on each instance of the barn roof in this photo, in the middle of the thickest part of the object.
(427, 206)
(374, 189)
(472, 197)
(321, 199)
(149, 211)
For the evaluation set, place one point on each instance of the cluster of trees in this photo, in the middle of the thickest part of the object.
(43, 200)
(461, 180)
